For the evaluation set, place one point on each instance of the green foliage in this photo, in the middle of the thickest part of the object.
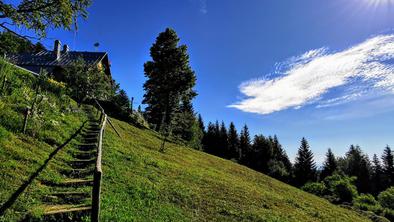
(197, 134)
(341, 187)
(386, 198)
(389, 214)
(11, 43)
(367, 202)
(304, 166)
(38, 15)
(357, 164)
(330, 165)
(233, 142)
(54, 118)
(388, 166)
(318, 189)
(170, 80)
(87, 82)
(245, 146)
(139, 182)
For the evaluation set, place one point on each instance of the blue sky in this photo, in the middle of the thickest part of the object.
(282, 67)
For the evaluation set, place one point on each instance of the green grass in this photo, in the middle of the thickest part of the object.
(182, 184)
(22, 154)
(140, 183)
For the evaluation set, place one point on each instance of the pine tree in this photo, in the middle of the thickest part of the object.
(223, 140)
(183, 122)
(233, 142)
(261, 155)
(201, 123)
(209, 139)
(357, 164)
(377, 176)
(282, 156)
(330, 165)
(244, 146)
(304, 166)
(170, 80)
(388, 166)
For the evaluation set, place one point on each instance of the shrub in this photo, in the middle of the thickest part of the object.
(386, 198)
(367, 202)
(3, 134)
(318, 189)
(342, 187)
(389, 214)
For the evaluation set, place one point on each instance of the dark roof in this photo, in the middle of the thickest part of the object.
(48, 58)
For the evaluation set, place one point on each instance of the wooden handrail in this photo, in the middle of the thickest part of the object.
(95, 217)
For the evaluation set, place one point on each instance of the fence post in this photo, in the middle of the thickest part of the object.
(96, 196)
(95, 214)
(27, 113)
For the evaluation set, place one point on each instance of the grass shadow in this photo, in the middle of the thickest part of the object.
(23, 187)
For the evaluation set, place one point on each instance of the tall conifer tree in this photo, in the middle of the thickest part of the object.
(388, 166)
(244, 146)
(377, 176)
(223, 140)
(170, 79)
(233, 142)
(330, 165)
(304, 166)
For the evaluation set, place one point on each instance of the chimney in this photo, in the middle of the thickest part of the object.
(66, 48)
(57, 49)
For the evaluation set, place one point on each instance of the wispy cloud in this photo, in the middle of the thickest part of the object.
(311, 78)
(203, 6)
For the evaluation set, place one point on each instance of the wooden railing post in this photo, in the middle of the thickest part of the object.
(27, 113)
(95, 216)
(96, 196)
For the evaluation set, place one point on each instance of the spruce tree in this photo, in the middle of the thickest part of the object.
(244, 146)
(233, 142)
(377, 176)
(170, 80)
(201, 123)
(357, 164)
(223, 140)
(388, 166)
(209, 139)
(304, 166)
(261, 155)
(330, 165)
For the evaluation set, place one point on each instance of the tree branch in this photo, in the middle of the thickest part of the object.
(28, 9)
(26, 37)
(39, 8)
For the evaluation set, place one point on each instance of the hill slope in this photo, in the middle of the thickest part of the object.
(182, 184)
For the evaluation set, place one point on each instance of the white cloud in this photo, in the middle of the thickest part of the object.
(308, 78)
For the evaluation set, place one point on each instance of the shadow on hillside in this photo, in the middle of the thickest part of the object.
(22, 188)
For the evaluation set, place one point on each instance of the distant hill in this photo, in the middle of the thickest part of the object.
(182, 184)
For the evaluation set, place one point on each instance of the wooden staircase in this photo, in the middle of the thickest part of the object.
(71, 199)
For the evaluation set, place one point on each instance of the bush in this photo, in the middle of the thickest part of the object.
(367, 202)
(341, 187)
(389, 214)
(318, 189)
(386, 198)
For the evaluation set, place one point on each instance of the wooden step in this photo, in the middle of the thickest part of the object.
(67, 198)
(86, 144)
(65, 208)
(77, 182)
(78, 173)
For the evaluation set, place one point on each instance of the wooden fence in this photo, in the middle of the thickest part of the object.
(95, 217)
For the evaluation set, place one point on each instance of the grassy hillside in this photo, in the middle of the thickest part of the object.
(142, 184)
(21, 155)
